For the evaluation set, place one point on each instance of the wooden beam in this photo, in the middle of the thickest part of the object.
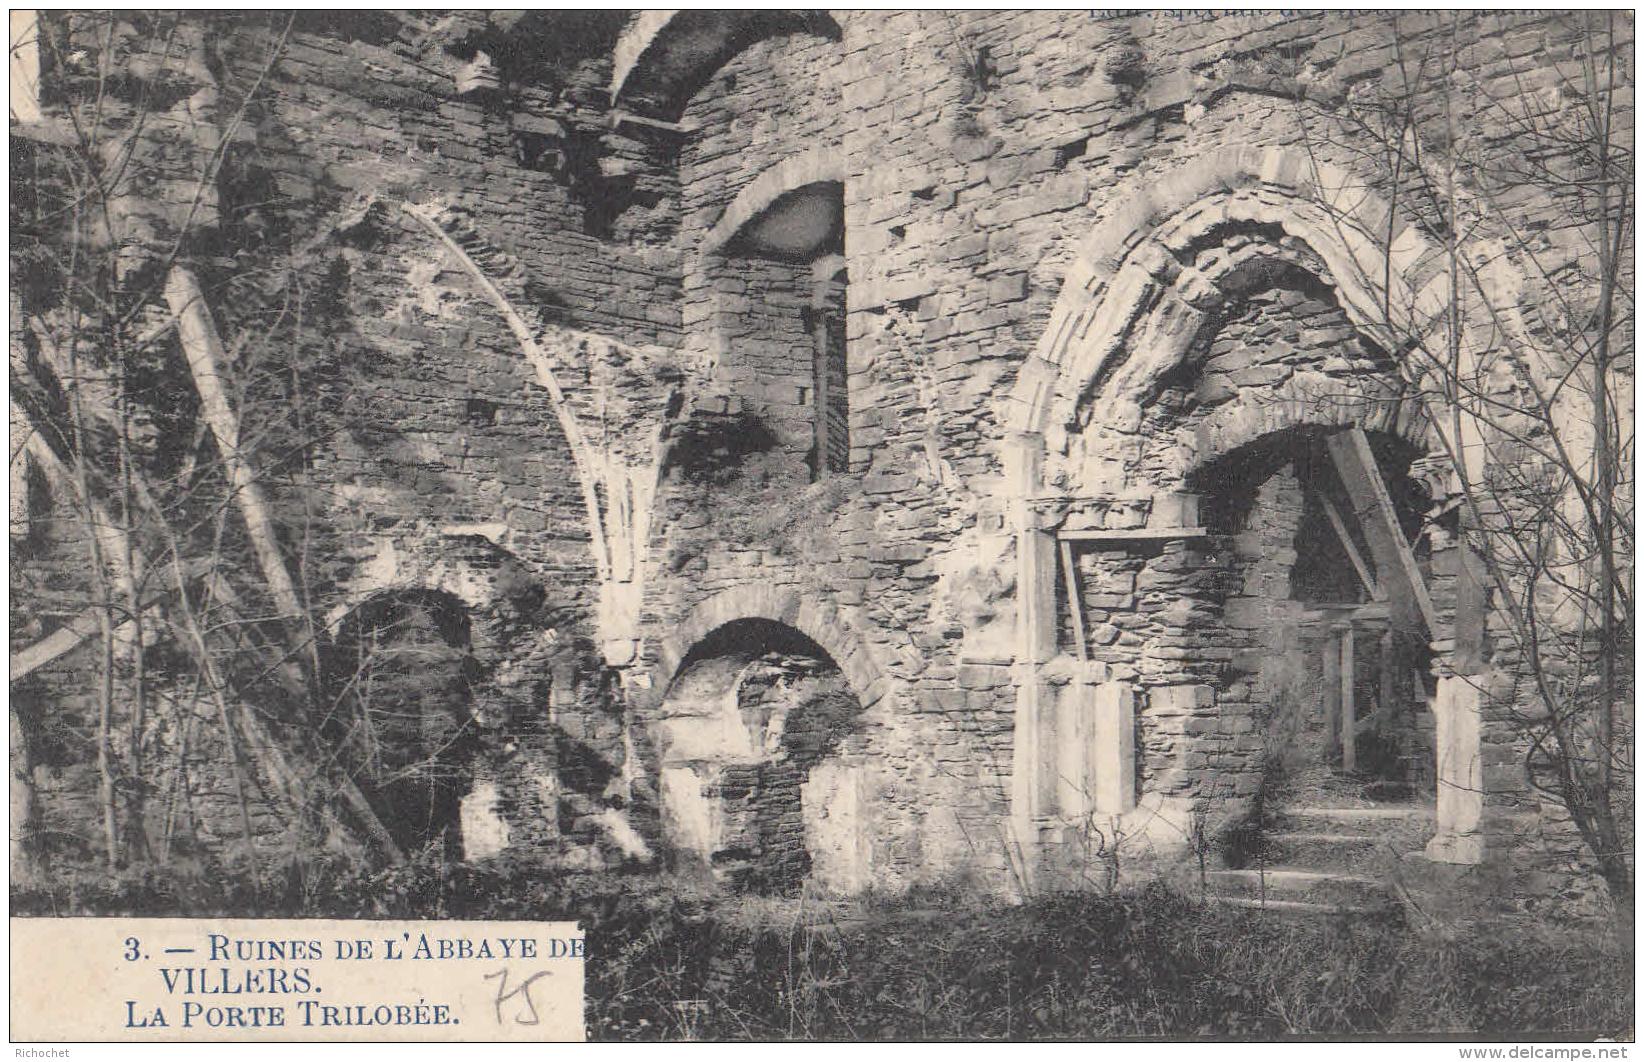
(1070, 575)
(1374, 612)
(1346, 540)
(1407, 594)
(1349, 723)
(620, 118)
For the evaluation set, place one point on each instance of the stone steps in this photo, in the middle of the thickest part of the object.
(1289, 886)
(1293, 907)
(1403, 827)
(1358, 818)
(1316, 859)
(1320, 850)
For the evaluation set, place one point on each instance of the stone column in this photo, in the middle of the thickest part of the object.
(1460, 838)
(1073, 728)
(1349, 712)
(1033, 769)
(690, 819)
(1032, 791)
(1113, 748)
(835, 833)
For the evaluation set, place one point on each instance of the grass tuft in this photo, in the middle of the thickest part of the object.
(668, 960)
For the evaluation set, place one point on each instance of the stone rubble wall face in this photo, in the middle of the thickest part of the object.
(963, 210)
(458, 434)
(965, 203)
(449, 433)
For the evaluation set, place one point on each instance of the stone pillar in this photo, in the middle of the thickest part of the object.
(835, 834)
(484, 830)
(1349, 712)
(690, 820)
(1330, 699)
(1034, 759)
(1460, 838)
(1036, 597)
(1113, 748)
(1032, 792)
(1076, 741)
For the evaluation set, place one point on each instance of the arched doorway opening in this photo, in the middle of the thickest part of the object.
(751, 731)
(1323, 523)
(399, 712)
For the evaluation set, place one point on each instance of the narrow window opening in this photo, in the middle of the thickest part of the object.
(831, 379)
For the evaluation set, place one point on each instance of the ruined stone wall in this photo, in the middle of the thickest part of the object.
(460, 442)
(976, 154)
(977, 150)
(764, 356)
(440, 463)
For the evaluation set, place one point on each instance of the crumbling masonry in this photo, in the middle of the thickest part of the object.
(876, 448)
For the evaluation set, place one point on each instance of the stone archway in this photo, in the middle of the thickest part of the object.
(1123, 398)
(820, 166)
(758, 732)
(815, 619)
(399, 679)
(1128, 275)
(664, 57)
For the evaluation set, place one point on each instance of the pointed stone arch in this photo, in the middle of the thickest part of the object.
(1145, 289)
(1127, 279)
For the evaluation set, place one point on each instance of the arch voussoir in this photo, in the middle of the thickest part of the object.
(1127, 266)
(816, 619)
(815, 166)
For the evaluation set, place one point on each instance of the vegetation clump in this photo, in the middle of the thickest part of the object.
(668, 960)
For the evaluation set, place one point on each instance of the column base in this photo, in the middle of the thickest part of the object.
(1462, 848)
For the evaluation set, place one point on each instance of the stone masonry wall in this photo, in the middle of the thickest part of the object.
(963, 196)
(436, 436)
(976, 152)
(460, 438)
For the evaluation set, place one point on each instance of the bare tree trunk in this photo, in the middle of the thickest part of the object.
(204, 352)
(98, 526)
(26, 858)
(1548, 507)
(258, 742)
(105, 754)
(136, 840)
